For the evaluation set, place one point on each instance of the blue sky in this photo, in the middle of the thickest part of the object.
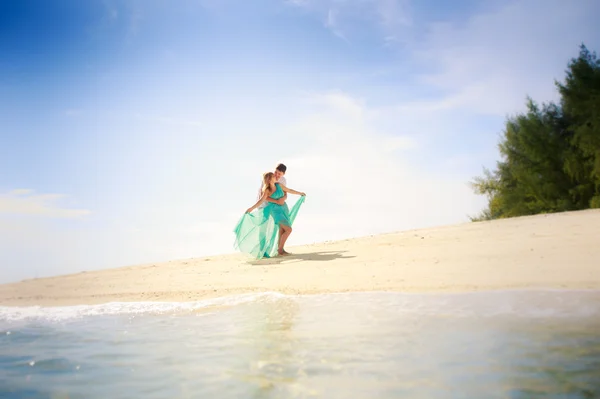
(137, 131)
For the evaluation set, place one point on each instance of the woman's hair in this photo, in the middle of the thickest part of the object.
(266, 180)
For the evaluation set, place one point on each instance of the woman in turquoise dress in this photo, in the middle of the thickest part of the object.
(258, 233)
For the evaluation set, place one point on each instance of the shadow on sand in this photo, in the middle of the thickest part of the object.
(311, 257)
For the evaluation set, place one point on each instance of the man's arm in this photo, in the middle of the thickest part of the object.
(279, 201)
(291, 190)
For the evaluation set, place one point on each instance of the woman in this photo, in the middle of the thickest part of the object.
(256, 233)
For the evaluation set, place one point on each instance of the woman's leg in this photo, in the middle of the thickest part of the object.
(285, 232)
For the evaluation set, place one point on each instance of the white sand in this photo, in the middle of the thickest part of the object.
(545, 251)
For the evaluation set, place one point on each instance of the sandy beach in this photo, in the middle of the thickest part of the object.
(560, 251)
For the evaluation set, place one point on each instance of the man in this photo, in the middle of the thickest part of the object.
(280, 177)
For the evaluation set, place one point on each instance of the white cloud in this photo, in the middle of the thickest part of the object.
(338, 101)
(493, 61)
(358, 181)
(36, 238)
(20, 191)
(25, 202)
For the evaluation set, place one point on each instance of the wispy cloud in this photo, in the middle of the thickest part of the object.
(26, 202)
(302, 3)
(112, 12)
(135, 19)
(168, 120)
(487, 63)
(127, 12)
(332, 23)
(394, 13)
(73, 112)
(346, 18)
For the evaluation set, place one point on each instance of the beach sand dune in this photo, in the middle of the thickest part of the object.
(559, 251)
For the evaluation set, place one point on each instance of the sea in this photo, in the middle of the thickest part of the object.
(497, 344)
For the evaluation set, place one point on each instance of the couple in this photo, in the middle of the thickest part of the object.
(257, 233)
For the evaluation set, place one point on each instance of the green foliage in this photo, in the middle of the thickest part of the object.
(550, 154)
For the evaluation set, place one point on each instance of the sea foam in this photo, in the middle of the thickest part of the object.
(521, 303)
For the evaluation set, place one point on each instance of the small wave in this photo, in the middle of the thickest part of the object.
(60, 313)
(523, 303)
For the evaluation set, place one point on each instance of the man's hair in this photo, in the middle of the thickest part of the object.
(281, 167)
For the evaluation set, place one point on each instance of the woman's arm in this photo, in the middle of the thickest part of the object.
(264, 197)
(289, 190)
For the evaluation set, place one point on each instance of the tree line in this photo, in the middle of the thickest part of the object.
(550, 154)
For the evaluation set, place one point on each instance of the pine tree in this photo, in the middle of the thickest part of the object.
(580, 101)
(550, 155)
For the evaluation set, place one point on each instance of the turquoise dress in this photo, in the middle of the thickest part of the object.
(257, 233)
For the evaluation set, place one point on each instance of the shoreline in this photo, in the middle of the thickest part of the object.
(550, 251)
(455, 291)
(172, 298)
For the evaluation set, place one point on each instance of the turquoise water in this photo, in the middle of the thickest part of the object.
(511, 344)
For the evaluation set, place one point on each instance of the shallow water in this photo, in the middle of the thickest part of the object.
(514, 344)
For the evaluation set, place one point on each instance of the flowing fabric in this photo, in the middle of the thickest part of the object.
(257, 233)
